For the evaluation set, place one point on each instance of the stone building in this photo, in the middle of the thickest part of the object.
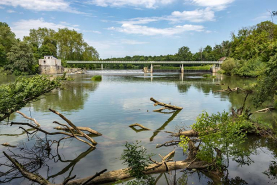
(50, 65)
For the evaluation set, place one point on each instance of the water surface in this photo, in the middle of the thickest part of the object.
(121, 99)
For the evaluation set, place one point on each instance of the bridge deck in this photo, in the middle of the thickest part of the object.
(144, 62)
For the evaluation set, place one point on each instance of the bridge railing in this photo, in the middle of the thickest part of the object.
(144, 62)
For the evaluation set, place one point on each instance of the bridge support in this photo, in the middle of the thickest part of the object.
(182, 68)
(102, 67)
(151, 68)
(215, 68)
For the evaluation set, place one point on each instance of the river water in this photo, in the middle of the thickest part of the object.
(123, 98)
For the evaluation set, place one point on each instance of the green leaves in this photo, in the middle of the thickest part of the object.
(220, 131)
(16, 95)
(137, 159)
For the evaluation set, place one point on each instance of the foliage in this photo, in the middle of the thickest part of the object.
(20, 59)
(250, 68)
(219, 131)
(267, 88)
(96, 78)
(184, 140)
(7, 40)
(185, 53)
(16, 95)
(137, 159)
(228, 65)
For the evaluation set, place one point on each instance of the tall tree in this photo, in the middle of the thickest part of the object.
(20, 59)
(185, 53)
(7, 40)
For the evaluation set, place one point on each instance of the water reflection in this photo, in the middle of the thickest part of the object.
(123, 99)
(71, 98)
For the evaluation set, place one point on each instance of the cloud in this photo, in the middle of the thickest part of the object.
(132, 42)
(145, 30)
(216, 4)
(199, 15)
(41, 5)
(134, 3)
(10, 11)
(22, 27)
(91, 31)
(263, 16)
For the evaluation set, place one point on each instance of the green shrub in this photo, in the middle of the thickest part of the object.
(96, 78)
(228, 65)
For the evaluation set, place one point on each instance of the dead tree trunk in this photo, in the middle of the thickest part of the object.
(166, 105)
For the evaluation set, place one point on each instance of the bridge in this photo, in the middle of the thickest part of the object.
(215, 67)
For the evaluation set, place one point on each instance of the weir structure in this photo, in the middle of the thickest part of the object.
(215, 64)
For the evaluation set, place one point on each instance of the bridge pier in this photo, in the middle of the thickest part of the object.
(151, 68)
(215, 68)
(182, 68)
(102, 67)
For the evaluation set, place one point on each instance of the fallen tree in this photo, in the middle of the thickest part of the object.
(16, 95)
(74, 131)
(169, 106)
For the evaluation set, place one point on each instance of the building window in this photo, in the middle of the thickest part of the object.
(48, 57)
(44, 61)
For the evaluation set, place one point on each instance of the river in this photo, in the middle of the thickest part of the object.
(121, 99)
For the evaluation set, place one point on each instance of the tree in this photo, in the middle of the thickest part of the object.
(228, 65)
(7, 40)
(185, 53)
(20, 59)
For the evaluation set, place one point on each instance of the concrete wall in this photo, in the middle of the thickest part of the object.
(48, 62)
(50, 69)
(74, 70)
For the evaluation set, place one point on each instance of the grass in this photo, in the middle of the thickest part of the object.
(96, 78)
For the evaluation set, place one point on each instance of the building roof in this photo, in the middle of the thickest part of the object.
(222, 59)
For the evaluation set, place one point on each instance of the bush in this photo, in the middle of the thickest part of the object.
(96, 78)
(228, 65)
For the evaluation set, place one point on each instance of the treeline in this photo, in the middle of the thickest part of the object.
(248, 51)
(21, 57)
(184, 54)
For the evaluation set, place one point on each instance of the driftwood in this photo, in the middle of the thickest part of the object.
(74, 131)
(231, 90)
(189, 133)
(8, 145)
(165, 105)
(80, 128)
(139, 125)
(266, 109)
(32, 119)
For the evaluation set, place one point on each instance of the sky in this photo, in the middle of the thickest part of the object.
(119, 28)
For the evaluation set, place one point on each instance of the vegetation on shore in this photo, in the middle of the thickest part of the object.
(96, 78)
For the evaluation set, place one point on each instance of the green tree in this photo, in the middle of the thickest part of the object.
(20, 59)
(185, 53)
(7, 40)
(228, 65)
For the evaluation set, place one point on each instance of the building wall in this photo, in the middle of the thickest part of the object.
(45, 62)
(50, 69)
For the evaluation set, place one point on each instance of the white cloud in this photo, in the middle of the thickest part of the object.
(91, 31)
(145, 30)
(263, 16)
(199, 15)
(22, 27)
(132, 42)
(10, 11)
(141, 20)
(41, 5)
(217, 4)
(134, 3)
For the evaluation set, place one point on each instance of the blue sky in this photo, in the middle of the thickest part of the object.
(117, 28)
